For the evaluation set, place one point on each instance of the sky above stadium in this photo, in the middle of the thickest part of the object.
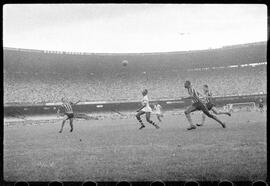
(128, 28)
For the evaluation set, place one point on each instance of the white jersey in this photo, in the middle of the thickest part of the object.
(145, 101)
(157, 109)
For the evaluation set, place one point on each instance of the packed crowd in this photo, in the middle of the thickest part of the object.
(35, 76)
(127, 85)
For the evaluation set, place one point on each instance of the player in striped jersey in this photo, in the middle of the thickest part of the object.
(210, 104)
(197, 105)
(68, 112)
(145, 109)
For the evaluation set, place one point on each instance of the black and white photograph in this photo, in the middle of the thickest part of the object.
(134, 92)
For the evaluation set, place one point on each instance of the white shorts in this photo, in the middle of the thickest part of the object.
(157, 112)
(147, 109)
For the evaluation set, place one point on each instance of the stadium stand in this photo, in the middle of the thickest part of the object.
(35, 76)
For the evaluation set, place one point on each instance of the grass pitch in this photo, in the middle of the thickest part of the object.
(115, 150)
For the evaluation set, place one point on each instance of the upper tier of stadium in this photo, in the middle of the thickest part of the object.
(230, 55)
(34, 76)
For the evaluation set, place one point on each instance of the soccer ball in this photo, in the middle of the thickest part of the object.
(125, 63)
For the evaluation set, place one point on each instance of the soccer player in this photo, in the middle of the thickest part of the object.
(145, 109)
(261, 105)
(230, 106)
(210, 104)
(68, 113)
(197, 105)
(158, 111)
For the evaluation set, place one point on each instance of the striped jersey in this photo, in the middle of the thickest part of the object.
(208, 96)
(67, 107)
(194, 95)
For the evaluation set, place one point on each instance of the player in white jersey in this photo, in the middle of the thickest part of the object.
(68, 113)
(158, 111)
(145, 109)
(230, 107)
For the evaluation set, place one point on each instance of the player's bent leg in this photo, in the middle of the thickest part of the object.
(138, 116)
(187, 114)
(61, 129)
(207, 113)
(148, 114)
(63, 123)
(159, 117)
(71, 124)
(203, 120)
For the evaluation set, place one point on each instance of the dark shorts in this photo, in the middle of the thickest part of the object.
(260, 105)
(69, 115)
(200, 106)
(209, 105)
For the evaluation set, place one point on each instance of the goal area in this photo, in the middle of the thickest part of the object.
(247, 106)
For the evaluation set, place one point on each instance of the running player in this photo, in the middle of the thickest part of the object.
(210, 104)
(197, 105)
(145, 109)
(158, 111)
(68, 113)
